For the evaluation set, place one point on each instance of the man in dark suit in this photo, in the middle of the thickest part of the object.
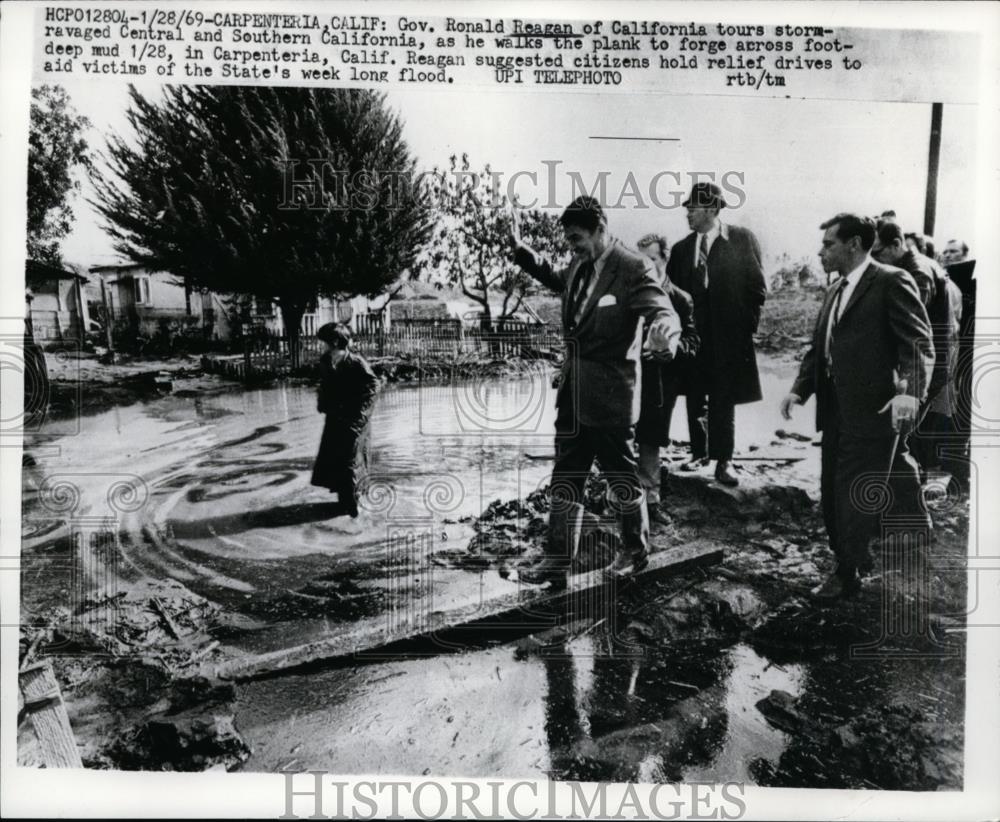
(719, 266)
(607, 291)
(868, 365)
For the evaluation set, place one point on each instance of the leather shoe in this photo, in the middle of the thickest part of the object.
(626, 566)
(656, 516)
(837, 587)
(724, 474)
(548, 571)
(695, 464)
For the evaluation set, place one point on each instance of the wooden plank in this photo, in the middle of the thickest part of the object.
(516, 598)
(43, 701)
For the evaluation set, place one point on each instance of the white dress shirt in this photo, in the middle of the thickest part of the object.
(845, 296)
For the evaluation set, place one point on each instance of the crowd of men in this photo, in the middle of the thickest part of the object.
(887, 363)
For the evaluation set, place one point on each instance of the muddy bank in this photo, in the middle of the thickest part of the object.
(127, 667)
(401, 368)
(84, 385)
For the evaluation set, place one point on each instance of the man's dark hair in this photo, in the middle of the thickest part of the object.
(889, 232)
(584, 212)
(655, 239)
(918, 240)
(888, 214)
(336, 335)
(851, 225)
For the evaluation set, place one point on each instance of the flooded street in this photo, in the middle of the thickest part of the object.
(666, 683)
(214, 491)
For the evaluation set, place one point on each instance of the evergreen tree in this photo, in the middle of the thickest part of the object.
(280, 194)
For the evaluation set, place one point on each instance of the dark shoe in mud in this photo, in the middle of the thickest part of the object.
(547, 572)
(836, 587)
(656, 516)
(724, 474)
(626, 566)
(695, 464)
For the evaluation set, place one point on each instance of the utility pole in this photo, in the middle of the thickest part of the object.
(933, 159)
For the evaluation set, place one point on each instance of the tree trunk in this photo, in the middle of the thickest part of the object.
(291, 316)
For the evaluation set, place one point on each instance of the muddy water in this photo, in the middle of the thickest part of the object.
(220, 493)
(214, 491)
(222, 503)
(581, 712)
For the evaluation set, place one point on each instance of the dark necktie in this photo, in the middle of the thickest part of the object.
(583, 275)
(703, 260)
(833, 319)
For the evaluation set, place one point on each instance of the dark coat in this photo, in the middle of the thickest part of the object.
(726, 323)
(660, 380)
(346, 397)
(883, 333)
(600, 371)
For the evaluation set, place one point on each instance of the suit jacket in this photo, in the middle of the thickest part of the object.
(883, 335)
(726, 323)
(600, 370)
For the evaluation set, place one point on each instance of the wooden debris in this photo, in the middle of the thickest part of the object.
(43, 704)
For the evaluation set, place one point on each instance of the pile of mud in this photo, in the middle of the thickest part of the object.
(127, 666)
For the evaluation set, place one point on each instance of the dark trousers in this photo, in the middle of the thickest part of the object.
(861, 493)
(697, 431)
(575, 453)
(712, 423)
(934, 442)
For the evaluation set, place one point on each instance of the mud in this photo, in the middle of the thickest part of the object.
(657, 682)
(869, 710)
(127, 667)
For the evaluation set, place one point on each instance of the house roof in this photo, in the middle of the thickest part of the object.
(35, 270)
(116, 268)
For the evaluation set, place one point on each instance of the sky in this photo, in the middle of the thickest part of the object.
(801, 161)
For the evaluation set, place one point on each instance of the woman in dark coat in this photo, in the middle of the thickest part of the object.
(347, 389)
(662, 382)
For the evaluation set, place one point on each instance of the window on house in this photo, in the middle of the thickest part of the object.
(141, 286)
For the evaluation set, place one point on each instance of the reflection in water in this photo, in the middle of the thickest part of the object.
(665, 715)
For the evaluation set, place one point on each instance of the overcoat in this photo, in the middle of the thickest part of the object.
(346, 396)
(727, 313)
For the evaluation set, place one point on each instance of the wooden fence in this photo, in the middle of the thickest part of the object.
(266, 353)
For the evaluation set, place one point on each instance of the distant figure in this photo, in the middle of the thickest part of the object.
(606, 291)
(719, 266)
(890, 248)
(915, 242)
(955, 252)
(868, 366)
(960, 264)
(942, 299)
(663, 382)
(347, 389)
